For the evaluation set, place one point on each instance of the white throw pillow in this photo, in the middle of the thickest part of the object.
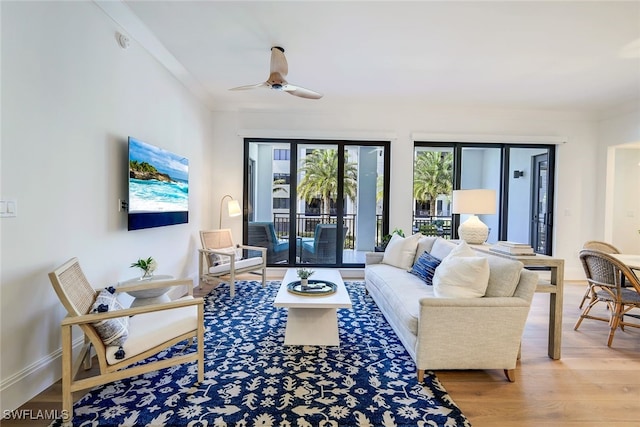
(223, 259)
(461, 274)
(401, 251)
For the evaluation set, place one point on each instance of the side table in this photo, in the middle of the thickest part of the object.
(146, 296)
(554, 287)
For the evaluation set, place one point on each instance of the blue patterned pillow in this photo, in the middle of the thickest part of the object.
(112, 331)
(425, 266)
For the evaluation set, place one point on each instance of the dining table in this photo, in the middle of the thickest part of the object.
(631, 260)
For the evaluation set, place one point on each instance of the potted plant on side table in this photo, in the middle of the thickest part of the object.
(148, 266)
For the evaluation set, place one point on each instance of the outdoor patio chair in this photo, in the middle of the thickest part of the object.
(220, 259)
(321, 249)
(264, 234)
(121, 337)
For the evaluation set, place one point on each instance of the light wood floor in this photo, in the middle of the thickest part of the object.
(592, 385)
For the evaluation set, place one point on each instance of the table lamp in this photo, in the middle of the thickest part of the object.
(474, 202)
(233, 208)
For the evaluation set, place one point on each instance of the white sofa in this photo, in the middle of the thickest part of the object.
(454, 333)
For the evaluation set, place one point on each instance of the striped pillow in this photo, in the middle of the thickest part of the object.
(425, 267)
(112, 331)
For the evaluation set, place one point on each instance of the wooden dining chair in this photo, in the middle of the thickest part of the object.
(604, 277)
(121, 337)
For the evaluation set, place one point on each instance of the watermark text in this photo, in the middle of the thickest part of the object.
(34, 414)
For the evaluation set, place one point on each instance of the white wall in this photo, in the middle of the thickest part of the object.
(626, 200)
(618, 181)
(70, 98)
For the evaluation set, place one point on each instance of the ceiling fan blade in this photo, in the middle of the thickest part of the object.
(263, 84)
(278, 61)
(302, 92)
(277, 81)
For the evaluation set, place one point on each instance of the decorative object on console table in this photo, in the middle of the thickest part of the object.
(148, 266)
(474, 202)
(233, 208)
(512, 248)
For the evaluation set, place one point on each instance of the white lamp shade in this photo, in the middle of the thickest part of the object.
(473, 202)
(234, 208)
(481, 201)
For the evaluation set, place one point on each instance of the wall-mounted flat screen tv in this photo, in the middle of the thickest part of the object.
(158, 186)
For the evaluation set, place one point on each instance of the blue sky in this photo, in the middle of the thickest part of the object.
(177, 167)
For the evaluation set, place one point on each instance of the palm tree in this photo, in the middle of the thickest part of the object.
(320, 178)
(432, 176)
(278, 186)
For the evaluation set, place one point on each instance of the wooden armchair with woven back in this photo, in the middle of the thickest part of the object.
(221, 259)
(122, 336)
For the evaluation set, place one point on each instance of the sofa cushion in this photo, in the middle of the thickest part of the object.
(461, 274)
(425, 244)
(243, 263)
(504, 276)
(401, 251)
(442, 247)
(425, 267)
(151, 329)
(398, 292)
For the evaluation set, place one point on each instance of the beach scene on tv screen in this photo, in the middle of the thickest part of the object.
(158, 179)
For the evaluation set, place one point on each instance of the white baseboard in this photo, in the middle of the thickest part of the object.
(24, 385)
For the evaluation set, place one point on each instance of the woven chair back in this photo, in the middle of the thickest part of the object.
(597, 245)
(606, 271)
(72, 287)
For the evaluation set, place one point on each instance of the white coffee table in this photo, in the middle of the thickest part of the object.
(313, 320)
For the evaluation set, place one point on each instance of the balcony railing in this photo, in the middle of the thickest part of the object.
(306, 224)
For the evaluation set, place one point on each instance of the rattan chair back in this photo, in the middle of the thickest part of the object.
(72, 287)
(597, 245)
(216, 239)
(605, 275)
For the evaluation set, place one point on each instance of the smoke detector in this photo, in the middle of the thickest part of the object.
(123, 41)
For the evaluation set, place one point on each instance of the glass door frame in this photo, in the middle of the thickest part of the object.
(339, 203)
(503, 196)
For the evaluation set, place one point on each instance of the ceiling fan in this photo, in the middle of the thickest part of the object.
(276, 80)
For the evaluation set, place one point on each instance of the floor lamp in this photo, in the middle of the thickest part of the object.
(474, 202)
(233, 208)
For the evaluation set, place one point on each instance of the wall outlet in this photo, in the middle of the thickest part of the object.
(122, 205)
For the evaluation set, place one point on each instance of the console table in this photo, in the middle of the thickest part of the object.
(554, 287)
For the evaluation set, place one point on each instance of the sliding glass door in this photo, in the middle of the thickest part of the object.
(317, 203)
(521, 175)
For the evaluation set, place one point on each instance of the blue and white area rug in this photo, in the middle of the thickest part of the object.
(252, 379)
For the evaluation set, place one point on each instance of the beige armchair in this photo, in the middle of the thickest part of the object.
(220, 259)
(122, 336)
